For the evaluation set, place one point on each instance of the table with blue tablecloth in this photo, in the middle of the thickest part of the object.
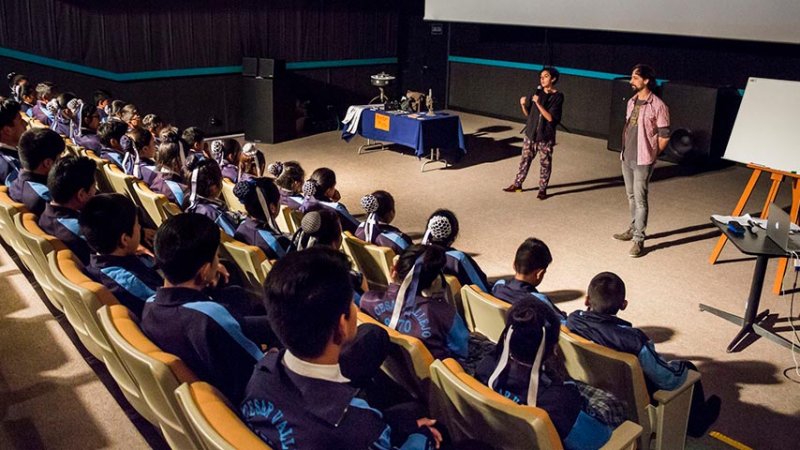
(417, 131)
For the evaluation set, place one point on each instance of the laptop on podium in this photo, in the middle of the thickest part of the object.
(781, 230)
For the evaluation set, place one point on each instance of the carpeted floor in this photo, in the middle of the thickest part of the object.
(49, 393)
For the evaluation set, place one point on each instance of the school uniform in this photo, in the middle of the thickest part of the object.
(349, 223)
(229, 171)
(31, 190)
(216, 211)
(514, 290)
(42, 114)
(89, 140)
(62, 222)
(170, 184)
(113, 156)
(9, 164)
(206, 335)
(385, 235)
(255, 232)
(61, 125)
(290, 403)
(147, 170)
(290, 199)
(463, 267)
(431, 319)
(27, 108)
(132, 279)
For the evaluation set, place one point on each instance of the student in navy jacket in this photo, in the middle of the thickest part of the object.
(130, 115)
(205, 180)
(530, 265)
(39, 149)
(195, 140)
(45, 92)
(169, 180)
(71, 183)
(139, 160)
(226, 152)
(442, 230)
(85, 122)
(299, 397)
(376, 230)
(605, 297)
(289, 177)
(119, 262)
(154, 124)
(261, 199)
(218, 343)
(62, 118)
(111, 135)
(320, 189)
(101, 99)
(11, 129)
(27, 98)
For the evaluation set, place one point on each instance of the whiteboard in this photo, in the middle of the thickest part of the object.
(768, 125)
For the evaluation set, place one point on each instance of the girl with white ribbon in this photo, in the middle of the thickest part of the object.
(260, 198)
(289, 178)
(206, 188)
(377, 229)
(442, 229)
(320, 189)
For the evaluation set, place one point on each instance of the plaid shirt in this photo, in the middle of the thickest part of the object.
(602, 405)
(653, 115)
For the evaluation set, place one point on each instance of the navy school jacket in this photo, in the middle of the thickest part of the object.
(171, 185)
(113, 156)
(89, 140)
(463, 267)
(216, 211)
(229, 171)
(514, 290)
(385, 235)
(132, 279)
(290, 199)
(41, 113)
(615, 333)
(31, 190)
(147, 170)
(62, 223)
(432, 320)
(255, 232)
(349, 223)
(61, 125)
(9, 164)
(291, 411)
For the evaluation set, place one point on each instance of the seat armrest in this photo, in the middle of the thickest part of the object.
(664, 397)
(624, 437)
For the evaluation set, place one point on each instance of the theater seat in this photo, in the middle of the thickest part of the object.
(250, 260)
(214, 420)
(41, 244)
(230, 199)
(157, 207)
(8, 229)
(371, 260)
(484, 313)
(121, 182)
(103, 183)
(289, 219)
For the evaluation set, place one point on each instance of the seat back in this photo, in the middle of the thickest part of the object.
(289, 219)
(371, 260)
(484, 313)
(157, 373)
(213, 420)
(157, 206)
(230, 198)
(454, 289)
(103, 183)
(408, 362)
(470, 410)
(41, 244)
(250, 259)
(8, 228)
(121, 182)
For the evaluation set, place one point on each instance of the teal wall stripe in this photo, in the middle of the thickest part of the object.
(180, 73)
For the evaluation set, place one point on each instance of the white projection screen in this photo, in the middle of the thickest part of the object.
(750, 20)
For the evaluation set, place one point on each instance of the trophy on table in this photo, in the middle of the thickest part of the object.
(429, 103)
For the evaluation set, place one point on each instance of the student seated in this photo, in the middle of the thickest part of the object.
(214, 340)
(416, 304)
(110, 224)
(442, 230)
(62, 118)
(206, 188)
(376, 230)
(605, 297)
(289, 177)
(11, 128)
(260, 198)
(27, 98)
(169, 179)
(530, 265)
(45, 92)
(227, 152)
(101, 99)
(85, 122)
(154, 124)
(195, 139)
(320, 189)
(71, 183)
(39, 149)
(299, 397)
(526, 369)
(139, 160)
(251, 162)
(115, 111)
(111, 135)
(130, 115)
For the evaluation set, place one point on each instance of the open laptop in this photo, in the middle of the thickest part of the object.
(778, 225)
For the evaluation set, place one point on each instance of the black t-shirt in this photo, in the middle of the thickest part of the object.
(538, 130)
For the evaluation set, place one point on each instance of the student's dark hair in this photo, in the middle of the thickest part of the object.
(647, 72)
(152, 121)
(306, 293)
(532, 255)
(385, 204)
(100, 95)
(247, 193)
(528, 316)
(555, 75)
(448, 240)
(113, 129)
(433, 262)
(27, 90)
(101, 232)
(116, 107)
(319, 223)
(69, 175)
(208, 174)
(64, 98)
(606, 293)
(183, 244)
(169, 134)
(292, 172)
(140, 137)
(325, 179)
(193, 135)
(38, 144)
(45, 90)
(128, 111)
(169, 154)
(9, 111)
(15, 78)
(230, 148)
(86, 115)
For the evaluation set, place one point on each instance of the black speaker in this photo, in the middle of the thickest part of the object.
(620, 93)
(250, 67)
(268, 110)
(271, 68)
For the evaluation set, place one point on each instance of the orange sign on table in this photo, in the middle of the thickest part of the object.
(381, 122)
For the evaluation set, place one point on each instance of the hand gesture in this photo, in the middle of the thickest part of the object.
(522, 100)
(536, 99)
(427, 422)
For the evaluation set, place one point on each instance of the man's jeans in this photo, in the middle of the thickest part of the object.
(637, 179)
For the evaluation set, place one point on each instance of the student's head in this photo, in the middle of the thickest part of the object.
(226, 150)
(101, 98)
(90, 117)
(209, 176)
(153, 123)
(186, 249)
(130, 115)
(548, 76)
(288, 175)
(606, 294)
(168, 155)
(325, 179)
(45, 91)
(111, 132)
(39, 148)
(15, 79)
(116, 108)
(110, 224)
(71, 181)
(531, 261)
(381, 203)
(247, 192)
(63, 100)
(319, 227)
(143, 142)
(528, 318)
(643, 76)
(251, 160)
(433, 262)
(27, 93)
(309, 301)
(11, 124)
(195, 138)
(442, 228)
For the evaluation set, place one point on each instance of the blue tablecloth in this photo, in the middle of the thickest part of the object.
(422, 133)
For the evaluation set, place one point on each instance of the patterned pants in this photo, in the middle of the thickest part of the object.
(529, 151)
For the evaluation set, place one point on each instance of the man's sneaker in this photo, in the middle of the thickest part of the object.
(513, 188)
(637, 250)
(626, 236)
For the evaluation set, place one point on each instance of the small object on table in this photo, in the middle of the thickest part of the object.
(429, 103)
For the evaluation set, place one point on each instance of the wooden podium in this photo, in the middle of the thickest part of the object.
(777, 176)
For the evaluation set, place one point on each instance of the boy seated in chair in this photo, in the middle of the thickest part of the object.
(39, 149)
(119, 263)
(300, 397)
(599, 323)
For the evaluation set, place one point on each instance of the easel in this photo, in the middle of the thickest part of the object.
(777, 176)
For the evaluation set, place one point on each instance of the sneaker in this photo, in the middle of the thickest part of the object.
(710, 412)
(637, 250)
(513, 188)
(626, 236)
(542, 195)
